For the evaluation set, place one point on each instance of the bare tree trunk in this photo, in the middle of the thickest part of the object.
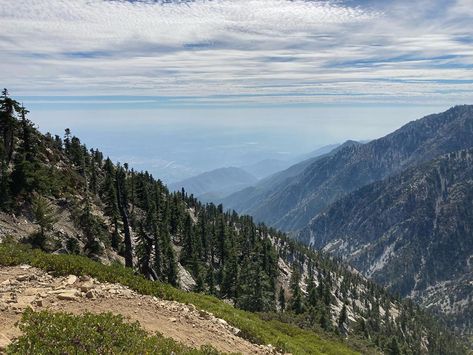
(126, 224)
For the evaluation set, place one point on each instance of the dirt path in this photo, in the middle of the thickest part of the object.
(23, 286)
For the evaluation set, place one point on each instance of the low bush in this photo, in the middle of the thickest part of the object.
(63, 333)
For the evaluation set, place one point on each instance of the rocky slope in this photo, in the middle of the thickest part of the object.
(412, 232)
(23, 286)
(293, 203)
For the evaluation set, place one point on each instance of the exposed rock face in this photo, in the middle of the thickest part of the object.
(412, 232)
(292, 203)
(186, 281)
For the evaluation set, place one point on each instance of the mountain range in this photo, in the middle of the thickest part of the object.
(63, 198)
(215, 184)
(412, 232)
(289, 204)
(397, 208)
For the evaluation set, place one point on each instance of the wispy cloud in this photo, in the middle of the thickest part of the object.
(240, 51)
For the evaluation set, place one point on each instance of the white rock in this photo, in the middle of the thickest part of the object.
(71, 280)
(222, 321)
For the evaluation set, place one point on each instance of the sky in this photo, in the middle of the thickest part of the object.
(180, 87)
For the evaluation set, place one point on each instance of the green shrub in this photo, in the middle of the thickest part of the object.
(62, 333)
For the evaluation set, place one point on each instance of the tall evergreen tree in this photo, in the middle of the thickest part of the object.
(123, 208)
(297, 303)
(45, 217)
(282, 300)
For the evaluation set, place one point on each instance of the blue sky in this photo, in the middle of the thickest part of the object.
(184, 86)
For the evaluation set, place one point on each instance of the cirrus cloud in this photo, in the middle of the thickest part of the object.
(240, 51)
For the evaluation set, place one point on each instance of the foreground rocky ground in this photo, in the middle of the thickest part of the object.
(24, 286)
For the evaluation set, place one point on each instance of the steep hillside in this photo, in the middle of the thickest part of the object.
(292, 204)
(129, 294)
(268, 167)
(61, 197)
(319, 152)
(215, 184)
(412, 232)
(251, 196)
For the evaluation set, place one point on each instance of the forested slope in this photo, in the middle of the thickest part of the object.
(111, 213)
(412, 232)
(292, 204)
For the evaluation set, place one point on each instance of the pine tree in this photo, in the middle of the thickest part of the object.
(172, 275)
(144, 250)
(45, 217)
(123, 208)
(297, 305)
(188, 249)
(8, 124)
(342, 320)
(67, 141)
(230, 281)
(325, 318)
(394, 348)
(282, 300)
(92, 228)
(5, 194)
(221, 239)
(312, 298)
(210, 279)
(28, 174)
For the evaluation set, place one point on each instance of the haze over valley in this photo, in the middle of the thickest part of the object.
(236, 176)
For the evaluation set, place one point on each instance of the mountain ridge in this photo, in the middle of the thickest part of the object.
(63, 198)
(278, 179)
(291, 205)
(216, 183)
(412, 232)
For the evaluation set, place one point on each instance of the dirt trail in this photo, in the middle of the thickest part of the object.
(24, 286)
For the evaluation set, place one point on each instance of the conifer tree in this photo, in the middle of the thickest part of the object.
(172, 275)
(282, 300)
(45, 217)
(230, 277)
(210, 279)
(67, 141)
(8, 124)
(342, 320)
(325, 318)
(123, 208)
(188, 248)
(221, 239)
(297, 304)
(144, 250)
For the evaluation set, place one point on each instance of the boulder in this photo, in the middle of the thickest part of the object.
(68, 296)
